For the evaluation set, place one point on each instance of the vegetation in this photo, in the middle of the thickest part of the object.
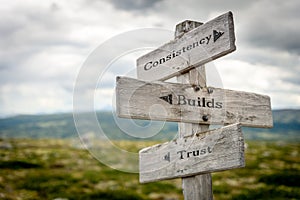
(50, 163)
(58, 169)
(63, 126)
(286, 127)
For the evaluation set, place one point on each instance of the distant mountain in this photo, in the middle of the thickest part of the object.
(63, 126)
(286, 127)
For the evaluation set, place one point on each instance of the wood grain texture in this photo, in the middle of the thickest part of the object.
(199, 186)
(215, 150)
(202, 44)
(141, 100)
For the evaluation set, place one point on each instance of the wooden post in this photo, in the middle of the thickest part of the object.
(195, 187)
(181, 57)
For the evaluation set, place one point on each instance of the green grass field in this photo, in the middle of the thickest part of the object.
(53, 169)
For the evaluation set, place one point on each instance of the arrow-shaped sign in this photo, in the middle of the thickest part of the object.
(181, 103)
(198, 46)
(215, 150)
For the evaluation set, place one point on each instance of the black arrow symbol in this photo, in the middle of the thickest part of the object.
(167, 98)
(167, 157)
(217, 35)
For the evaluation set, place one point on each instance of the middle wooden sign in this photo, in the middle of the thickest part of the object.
(186, 103)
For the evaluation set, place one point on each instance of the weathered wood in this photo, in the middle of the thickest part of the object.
(187, 103)
(185, 26)
(215, 150)
(197, 187)
(196, 47)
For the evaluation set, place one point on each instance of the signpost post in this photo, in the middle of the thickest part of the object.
(197, 151)
(199, 186)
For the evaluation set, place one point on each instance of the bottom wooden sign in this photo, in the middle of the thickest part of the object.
(211, 151)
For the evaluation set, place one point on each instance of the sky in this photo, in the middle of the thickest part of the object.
(45, 46)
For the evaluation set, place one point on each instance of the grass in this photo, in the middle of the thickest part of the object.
(52, 169)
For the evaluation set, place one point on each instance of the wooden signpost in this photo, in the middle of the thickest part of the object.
(210, 151)
(197, 151)
(196, 47)
(183, 103)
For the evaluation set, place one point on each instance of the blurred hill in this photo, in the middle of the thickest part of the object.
(286, 127)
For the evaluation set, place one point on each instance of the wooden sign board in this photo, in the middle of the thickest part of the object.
(196, 47)
(185, 103)
(216, 150)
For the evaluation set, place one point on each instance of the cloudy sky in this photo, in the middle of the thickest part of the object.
(45, 44)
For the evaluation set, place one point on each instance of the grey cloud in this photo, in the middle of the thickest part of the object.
(265, 24)
(273, 25)
(199, 10)
(216, 5)
(54, 7)
(31, 28)
(267, 33)
(293, 79)
(24, 35)
(134, 5)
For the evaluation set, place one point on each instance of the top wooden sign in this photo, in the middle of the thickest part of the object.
(199, 46)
